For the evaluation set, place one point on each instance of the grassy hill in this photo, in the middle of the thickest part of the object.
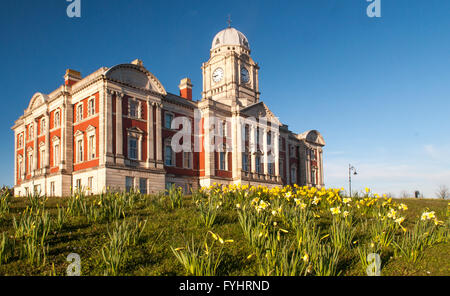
(157, 225)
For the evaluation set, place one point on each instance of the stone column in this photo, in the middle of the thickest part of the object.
(35, 145)
(209, 165)
(150, 134)
(288, 162)
(108, 127)
(47, 141)
(119, 129)
(101, 127)
(62, 124)
(320, 165)
(159, 160)
(276, 139)
(15, 159)
(253, 148)
(266, 154)
(237, 146)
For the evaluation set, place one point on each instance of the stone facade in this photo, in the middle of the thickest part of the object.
(118, 129)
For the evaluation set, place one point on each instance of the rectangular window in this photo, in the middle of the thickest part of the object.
(222, 161)
(143, 185)
(41, 159)
(269, 138)
(247, 132)
(80, 151)
(78, 184)
(56, 155)
(92, 152)
(129, 183)
(270, 168)
(258, 164)
(20, 141)
(187, 160)
(168, 156)
(168, 120)
(133, 109)
(90, 184)
(31, 132)
(30, 163)
(37, 189)
(19, 167)
(133, 148)
(80, 112)
(91, 107)
(57, 119)
(42, 126)
(245, 162)
(52, 188)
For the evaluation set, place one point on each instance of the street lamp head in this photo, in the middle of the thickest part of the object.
(355, 173)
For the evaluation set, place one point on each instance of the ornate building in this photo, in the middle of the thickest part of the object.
(118, 128)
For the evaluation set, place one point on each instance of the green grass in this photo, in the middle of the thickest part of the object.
(168, 228)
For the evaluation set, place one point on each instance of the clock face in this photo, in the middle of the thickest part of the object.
(218, 75)
(245, 76)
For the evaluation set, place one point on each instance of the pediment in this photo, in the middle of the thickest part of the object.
(260, 110)
(136, 76)
(37, 100)
(313, 137)
(135, 129)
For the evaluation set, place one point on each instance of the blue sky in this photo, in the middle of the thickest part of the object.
(377, 89)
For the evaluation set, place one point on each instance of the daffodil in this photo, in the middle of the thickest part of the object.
(335, 211)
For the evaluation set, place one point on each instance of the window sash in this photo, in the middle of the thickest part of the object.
(56, 155)
(143, 185)
(168, 156)
(92, 152)
(80, 151)
(187, 160)
(133, 153)
(91, 107)
(168, 121)
(222, 161)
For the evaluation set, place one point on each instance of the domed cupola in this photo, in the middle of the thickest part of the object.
(230, 39)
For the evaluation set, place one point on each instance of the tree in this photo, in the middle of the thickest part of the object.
(443, 192)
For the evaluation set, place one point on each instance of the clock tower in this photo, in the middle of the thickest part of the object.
(231, 76)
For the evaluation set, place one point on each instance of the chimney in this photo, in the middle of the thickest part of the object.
(72, 77)
(186, 89)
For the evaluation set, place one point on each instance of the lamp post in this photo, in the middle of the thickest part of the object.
(350, 170)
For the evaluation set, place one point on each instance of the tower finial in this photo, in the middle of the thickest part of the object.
(229, 21)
